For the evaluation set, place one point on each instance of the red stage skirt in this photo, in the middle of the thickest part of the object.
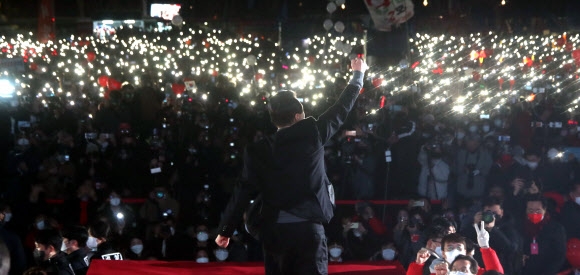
(100, 267)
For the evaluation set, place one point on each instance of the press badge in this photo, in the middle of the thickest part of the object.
(534, 249)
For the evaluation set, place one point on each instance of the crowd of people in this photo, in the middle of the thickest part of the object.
(145, 175)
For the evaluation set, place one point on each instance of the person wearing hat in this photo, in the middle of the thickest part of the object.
(472, 167)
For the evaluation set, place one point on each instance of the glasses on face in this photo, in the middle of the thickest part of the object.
(452, 247)
(534, 211)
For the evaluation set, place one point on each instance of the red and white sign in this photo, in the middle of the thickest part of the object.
(388, 13)
(46, 29)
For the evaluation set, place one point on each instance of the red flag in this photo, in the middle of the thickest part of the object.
(46, 29)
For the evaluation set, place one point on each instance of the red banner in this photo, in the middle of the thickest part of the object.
(46, 29)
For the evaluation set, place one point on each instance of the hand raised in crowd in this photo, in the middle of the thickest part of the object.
(422, 256)
(518, 185)
(358, 64)
(482, 235)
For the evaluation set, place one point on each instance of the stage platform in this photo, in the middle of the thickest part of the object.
(99, 267)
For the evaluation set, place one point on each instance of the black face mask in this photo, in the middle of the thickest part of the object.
(39, 255)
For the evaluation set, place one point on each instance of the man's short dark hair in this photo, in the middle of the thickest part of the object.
(77, 233)
(538, 197)
(474, 267)
(99, 230)
(435, 232)
(491, 201)
(283, 108)
(453, 238)
(49, 237)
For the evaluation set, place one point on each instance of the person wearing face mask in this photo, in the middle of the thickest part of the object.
(98, 234)
(434, 236)
(201, 257)
(543, 239)
(74, 244)
(48, 254)
(434, 176)
(503, 236)
(570, 215)
(136, 250)
(335, 252)
(464, 265)
(454, 245)
(536, 169)
(121, 215)
(472, 167)
(12, 242)
(221, 254)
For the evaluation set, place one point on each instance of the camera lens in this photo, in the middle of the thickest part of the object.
(488, 217)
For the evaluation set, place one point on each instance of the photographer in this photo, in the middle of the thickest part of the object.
(503, 236)
(472, 167)
(359, 166)
(434, 176)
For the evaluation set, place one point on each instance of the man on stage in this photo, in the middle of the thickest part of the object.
(289, 172)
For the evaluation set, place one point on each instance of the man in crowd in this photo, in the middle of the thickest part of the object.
(454, 245)
(74, 243)
(543, 239)
(48, 255)
(570, 215)
(503, 237)
(290, 173)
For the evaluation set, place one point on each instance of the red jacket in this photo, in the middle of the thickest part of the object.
(489, 259)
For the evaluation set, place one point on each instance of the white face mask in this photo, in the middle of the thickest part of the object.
(137, 249)
(7, 217)
(458, 273)
(577, 200)
(63, 247)
(221, 254)
(451, 255)
(473, 129)
(335, 252)
(202, 236)
(92, 243)
(388, 254)
(438, 251)
(115, 201)
(532, 165)
(202, 260)
(40, 225)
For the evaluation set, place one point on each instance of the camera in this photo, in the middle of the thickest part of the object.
(488, 216)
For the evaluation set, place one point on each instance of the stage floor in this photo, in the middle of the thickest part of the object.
(166, 268)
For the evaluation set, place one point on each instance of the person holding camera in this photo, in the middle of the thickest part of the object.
(434, 176)
(472, 167)
(159, 206)
(503, 236)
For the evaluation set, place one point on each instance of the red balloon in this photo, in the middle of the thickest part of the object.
(178, 88)
(377, 82)
(573, 252)
(103, 80)
(576, 54)
(114, 84)
(91, 56)
(476, 76)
